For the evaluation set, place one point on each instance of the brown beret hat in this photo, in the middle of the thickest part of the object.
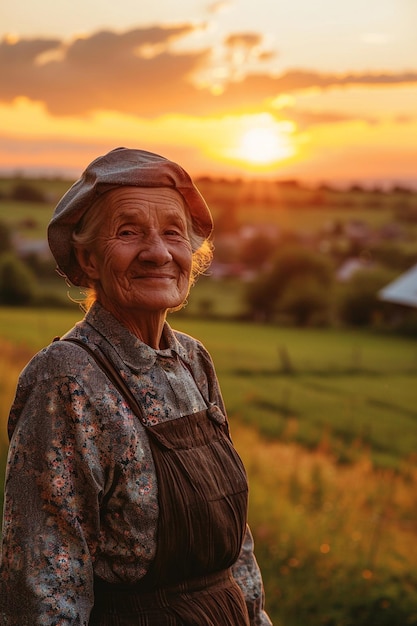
(120, 167)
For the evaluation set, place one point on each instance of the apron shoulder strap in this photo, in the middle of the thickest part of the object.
(112, 373)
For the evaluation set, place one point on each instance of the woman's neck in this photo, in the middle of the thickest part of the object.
(146, 326)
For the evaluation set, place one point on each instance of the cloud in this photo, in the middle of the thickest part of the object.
(257, 88)
(219, 6)
(307, 119)
(141, 72)
(241, 49)
(300, 80)
(130, 72)
(244, 40)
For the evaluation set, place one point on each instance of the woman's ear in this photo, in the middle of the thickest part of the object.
(87, 261)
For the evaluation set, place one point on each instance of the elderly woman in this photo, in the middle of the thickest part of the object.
(125, 500)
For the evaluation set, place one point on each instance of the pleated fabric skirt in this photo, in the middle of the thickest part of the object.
(215, 600)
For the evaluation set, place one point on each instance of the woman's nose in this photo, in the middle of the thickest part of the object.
(154, 250)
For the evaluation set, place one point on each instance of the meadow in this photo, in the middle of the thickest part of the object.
(326, 423)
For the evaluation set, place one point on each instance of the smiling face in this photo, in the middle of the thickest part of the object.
(140, 260)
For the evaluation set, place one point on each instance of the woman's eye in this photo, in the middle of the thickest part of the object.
(175, 232)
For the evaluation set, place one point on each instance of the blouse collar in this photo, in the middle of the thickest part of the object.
(136, 354)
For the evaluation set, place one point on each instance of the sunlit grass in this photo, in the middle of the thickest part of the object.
(331, 539)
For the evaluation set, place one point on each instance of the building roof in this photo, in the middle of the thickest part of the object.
(403, 290)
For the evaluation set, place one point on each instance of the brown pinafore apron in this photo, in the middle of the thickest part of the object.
(202, 495)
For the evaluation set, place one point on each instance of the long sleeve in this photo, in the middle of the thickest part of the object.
(80, 493)
(51, 509)
(248, 576)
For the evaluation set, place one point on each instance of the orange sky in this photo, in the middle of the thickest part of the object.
(321, 93)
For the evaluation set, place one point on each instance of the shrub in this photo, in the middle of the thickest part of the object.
(306, 302)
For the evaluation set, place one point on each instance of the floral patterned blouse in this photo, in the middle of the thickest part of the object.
(75, 447)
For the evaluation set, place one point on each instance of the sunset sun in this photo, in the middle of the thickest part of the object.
(259, 145)
(264, 145)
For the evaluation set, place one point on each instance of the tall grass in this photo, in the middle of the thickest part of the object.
(336, 543)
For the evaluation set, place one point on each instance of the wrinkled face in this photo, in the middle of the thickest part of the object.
(141, 258)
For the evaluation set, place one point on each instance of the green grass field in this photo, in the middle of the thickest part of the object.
(17, 214)
(292, 384)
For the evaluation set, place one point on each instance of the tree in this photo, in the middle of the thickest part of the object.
(5, 238)
(17, 282)
(306, 302)
(297, 284)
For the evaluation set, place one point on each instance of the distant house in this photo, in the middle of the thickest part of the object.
(351, 267)
(249, 231)
(357, 230)
(27, 247)
(403, 290)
